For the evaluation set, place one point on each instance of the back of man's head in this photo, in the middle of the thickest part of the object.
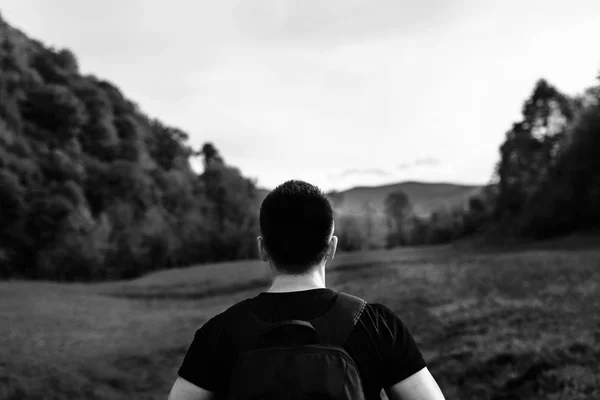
(296, 223)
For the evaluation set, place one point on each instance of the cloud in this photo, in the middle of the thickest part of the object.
(420, 162)
(318, 20)
(429, 161)
(377, 172)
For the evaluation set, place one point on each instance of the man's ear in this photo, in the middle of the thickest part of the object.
(332, 248)
(262, 252)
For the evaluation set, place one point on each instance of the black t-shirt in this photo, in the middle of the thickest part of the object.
(380, 344)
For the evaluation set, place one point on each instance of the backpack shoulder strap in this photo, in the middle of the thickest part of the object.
(334, 327)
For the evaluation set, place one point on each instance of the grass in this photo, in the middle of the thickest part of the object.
(510, 324)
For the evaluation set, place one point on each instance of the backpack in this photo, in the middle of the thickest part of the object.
(296, 359)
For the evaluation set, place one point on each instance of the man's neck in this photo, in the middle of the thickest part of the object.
(295, 283)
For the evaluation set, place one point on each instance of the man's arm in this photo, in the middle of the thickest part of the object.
(185, 390)
(419, 386)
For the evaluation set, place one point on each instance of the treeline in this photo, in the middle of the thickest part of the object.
(91, 188)
(548, 177)
(403, 227)
(547, 182)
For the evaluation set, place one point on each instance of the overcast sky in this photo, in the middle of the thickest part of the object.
(336, 92)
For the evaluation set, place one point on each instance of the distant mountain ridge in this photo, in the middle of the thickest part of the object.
(426, 197)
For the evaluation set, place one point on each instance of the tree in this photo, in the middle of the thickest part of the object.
(571, 197)
(231, 199)
(211, 155)
(45, 103)
(10, 80)
(531, 147)
(12, 200)
(66, 60)
(350, 236)
(370, 211)
(397, 210)
(480, 211)
(167, 146)
(548, 173)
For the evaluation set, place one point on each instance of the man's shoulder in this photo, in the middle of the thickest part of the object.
(229, 314)
(377, 314)
(379, 309)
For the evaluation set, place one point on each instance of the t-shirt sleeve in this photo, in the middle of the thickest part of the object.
(400, 353)
(204, 364)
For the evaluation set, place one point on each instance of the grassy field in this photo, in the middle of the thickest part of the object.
(510, 324)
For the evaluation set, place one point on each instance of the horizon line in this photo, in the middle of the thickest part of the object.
(473, 185)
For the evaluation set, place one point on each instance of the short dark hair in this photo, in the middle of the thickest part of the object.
(296, 220)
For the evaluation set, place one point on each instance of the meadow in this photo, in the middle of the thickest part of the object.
(516, 323)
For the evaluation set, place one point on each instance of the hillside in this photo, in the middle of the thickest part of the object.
(425, 197)
(93, 188)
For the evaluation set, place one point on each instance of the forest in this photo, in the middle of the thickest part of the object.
(91, 188)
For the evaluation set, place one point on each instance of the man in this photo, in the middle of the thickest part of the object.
(296, 223)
